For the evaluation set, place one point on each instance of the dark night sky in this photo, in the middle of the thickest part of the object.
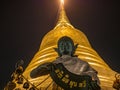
(25, 22)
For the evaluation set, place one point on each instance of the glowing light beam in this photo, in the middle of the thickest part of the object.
(62, 2)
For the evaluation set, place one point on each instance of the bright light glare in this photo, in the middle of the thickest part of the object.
(62, 1)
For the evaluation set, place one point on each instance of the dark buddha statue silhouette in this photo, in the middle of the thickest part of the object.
(71, 62)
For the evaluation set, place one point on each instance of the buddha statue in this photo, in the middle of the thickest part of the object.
(71, 62)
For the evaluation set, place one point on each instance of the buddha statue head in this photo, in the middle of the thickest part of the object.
(65, 46)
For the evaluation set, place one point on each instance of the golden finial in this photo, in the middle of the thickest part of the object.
(62, 19)
(62, 2)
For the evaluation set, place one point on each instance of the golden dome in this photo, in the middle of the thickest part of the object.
(84, 51)
(63, 28)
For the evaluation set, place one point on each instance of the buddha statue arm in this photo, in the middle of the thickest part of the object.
(41, 70)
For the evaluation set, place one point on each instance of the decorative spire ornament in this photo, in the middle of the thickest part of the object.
(62, 2)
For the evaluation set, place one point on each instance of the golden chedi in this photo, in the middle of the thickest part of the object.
(46, 53)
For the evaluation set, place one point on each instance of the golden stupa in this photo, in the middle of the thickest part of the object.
(84, 51)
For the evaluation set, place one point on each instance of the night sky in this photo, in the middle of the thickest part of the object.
(25, 22)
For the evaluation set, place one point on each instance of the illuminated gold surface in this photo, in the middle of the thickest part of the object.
(84, 51)
(62, 1)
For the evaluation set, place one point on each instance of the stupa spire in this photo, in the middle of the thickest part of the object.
(62, 18)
